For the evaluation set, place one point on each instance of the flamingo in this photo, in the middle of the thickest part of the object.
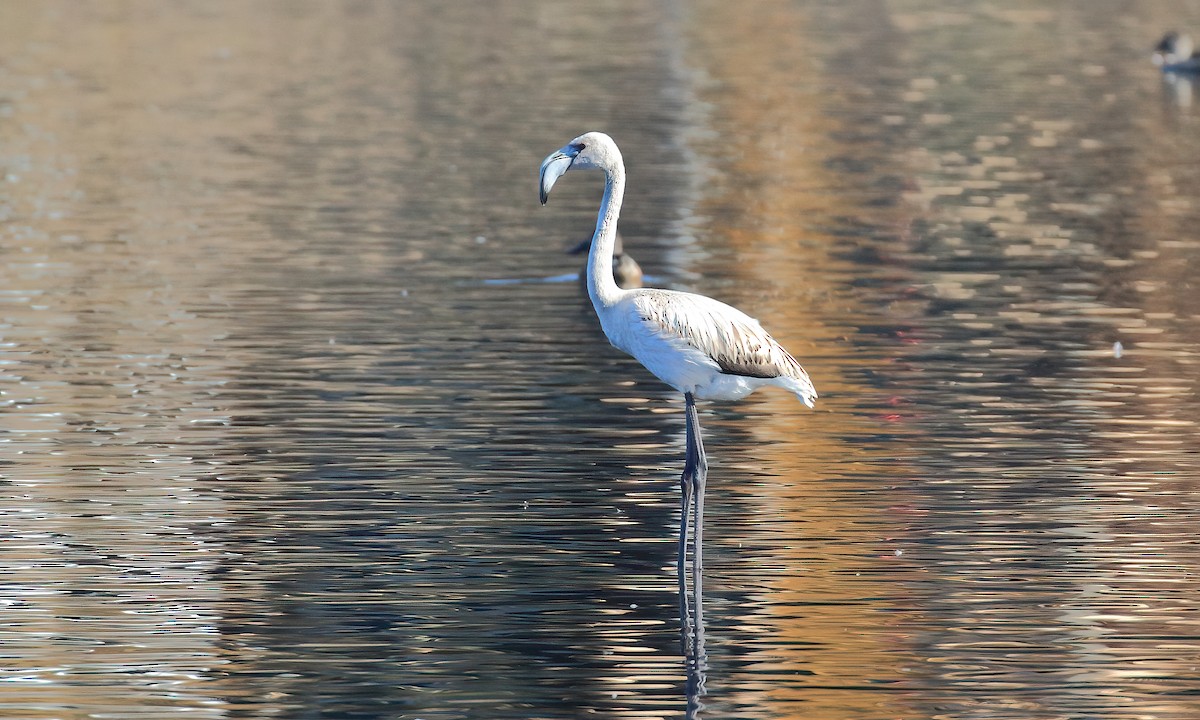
(626, 270)
(701, 347)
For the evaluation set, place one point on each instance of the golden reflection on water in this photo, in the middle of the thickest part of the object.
(1046, 272)
(109, 398)
(767, 213)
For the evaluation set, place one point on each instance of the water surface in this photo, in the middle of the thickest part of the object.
(283, 439)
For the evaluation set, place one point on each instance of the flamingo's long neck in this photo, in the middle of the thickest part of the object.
(602, 288)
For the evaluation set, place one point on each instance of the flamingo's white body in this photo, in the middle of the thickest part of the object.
(699, 346)
(695, 344)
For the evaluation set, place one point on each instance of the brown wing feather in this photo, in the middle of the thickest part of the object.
(750, 354)
(734, 340)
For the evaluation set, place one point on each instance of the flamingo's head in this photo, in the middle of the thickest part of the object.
(593, 150)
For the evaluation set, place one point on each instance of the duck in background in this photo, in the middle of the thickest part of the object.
(626, 271)
(1175, 53)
